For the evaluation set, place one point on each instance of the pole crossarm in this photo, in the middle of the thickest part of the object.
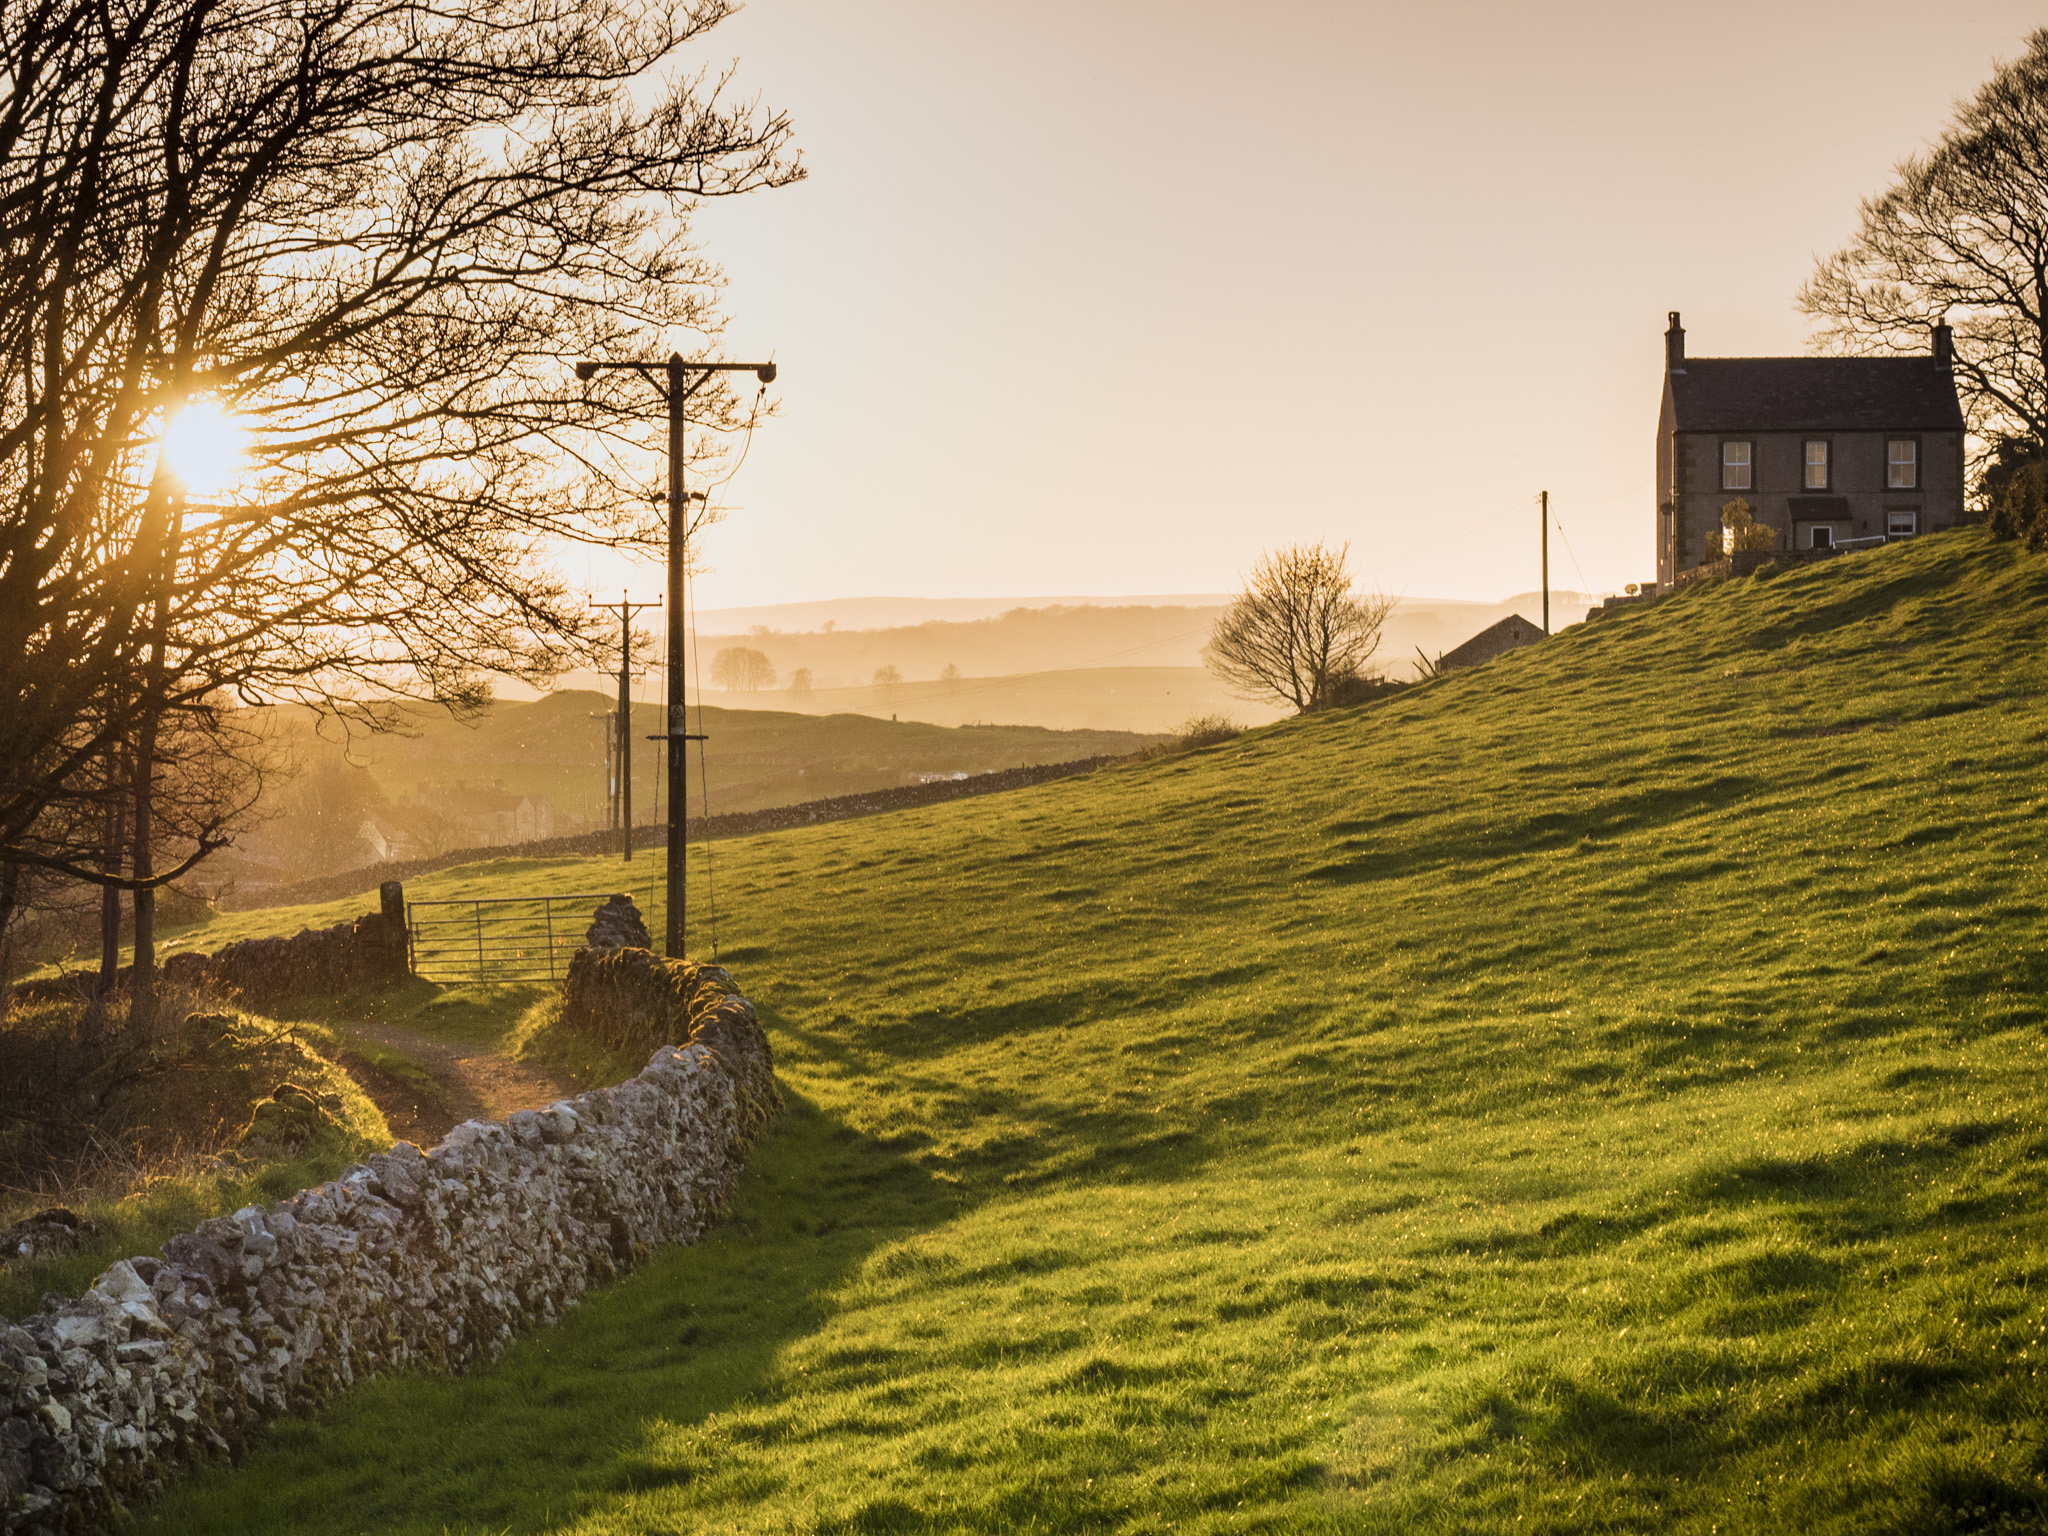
(662, 373)
(675, 381)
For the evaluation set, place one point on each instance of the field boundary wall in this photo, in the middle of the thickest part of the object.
(738, 824)
(409, 1261)
(356, 952)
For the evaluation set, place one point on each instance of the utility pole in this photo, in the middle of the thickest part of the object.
(624, 754)
(677, 381)
(1544, 496)
(611, 772)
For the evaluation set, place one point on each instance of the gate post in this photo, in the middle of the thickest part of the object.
(391, 898)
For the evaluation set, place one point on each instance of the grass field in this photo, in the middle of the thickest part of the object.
(762, 755)
(1600, 1092)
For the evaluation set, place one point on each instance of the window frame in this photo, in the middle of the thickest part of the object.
(1816, 532)
(1890, 439)
(1905, 512)
(1827, 463)
(1748, 464)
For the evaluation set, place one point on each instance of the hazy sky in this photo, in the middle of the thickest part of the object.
(1106, 297)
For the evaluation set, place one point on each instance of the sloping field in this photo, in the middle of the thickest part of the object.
(1601, 1092)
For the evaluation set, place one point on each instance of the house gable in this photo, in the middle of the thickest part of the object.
(1511, 633)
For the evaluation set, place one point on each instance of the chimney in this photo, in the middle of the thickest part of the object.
(1674, 345)
(1944, 344)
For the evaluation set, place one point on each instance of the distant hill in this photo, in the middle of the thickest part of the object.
(1085, 698)
(1061, 638)
(454, 784)
(992, 652)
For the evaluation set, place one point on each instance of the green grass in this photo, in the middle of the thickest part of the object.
(180, 1193)
(759, 755)
(1600, 1092)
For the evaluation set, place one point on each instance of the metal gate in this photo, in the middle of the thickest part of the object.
(502, 938)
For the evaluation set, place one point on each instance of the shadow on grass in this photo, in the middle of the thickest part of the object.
(561, 1424)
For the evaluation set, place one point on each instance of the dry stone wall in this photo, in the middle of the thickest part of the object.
(355, 952)
(409, 1261)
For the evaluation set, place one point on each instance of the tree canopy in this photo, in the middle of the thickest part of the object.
(372, 233)
(1961, 232)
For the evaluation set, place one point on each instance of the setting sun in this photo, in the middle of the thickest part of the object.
(205, 448)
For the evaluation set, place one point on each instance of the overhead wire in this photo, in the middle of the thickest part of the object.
(1583, 587)
(697, 678)
(703, 774)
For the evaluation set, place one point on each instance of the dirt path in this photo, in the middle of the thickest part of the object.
(467, 1082)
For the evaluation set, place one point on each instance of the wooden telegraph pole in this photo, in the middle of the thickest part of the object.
(623, 753)
(1544, 497)
(677, 381)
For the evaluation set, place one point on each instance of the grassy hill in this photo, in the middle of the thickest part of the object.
(1599, 1092)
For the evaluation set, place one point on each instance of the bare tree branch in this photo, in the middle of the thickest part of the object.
(1297, 633)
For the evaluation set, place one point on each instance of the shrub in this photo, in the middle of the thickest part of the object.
(2014, 489)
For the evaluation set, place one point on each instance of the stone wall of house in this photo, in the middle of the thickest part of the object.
(408, 1261)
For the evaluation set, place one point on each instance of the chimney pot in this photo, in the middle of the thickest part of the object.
(1674, 345)
(1944, 343)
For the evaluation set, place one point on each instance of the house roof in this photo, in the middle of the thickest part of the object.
(1510, 633)
(1814, 394)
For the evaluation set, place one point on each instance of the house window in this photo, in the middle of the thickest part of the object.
(1820, 538)
(1902, 464)
(1816, 464)
(1735, 466)
(1901, 525)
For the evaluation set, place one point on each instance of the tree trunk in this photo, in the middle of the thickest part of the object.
(110, 901)
(142, 985)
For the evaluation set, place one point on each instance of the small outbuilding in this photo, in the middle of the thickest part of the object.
(1511, 633)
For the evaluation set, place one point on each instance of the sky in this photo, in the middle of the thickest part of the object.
(1109, 297)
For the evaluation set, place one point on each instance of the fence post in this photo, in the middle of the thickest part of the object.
(478, 908)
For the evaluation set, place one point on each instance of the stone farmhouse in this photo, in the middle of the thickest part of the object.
(1828, 451)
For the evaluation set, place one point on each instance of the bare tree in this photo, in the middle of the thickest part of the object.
(1297, 633)
(1962, 232)
(372, 231)
(742, 669)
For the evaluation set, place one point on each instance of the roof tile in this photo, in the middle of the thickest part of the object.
(1815, 394)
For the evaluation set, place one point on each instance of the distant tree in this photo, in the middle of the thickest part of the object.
(740, 668)
(887, 677)
(800, 683)
(1297, 633)
(320, 826)
(1961, 232)
(951, 674)
(2014, 490)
